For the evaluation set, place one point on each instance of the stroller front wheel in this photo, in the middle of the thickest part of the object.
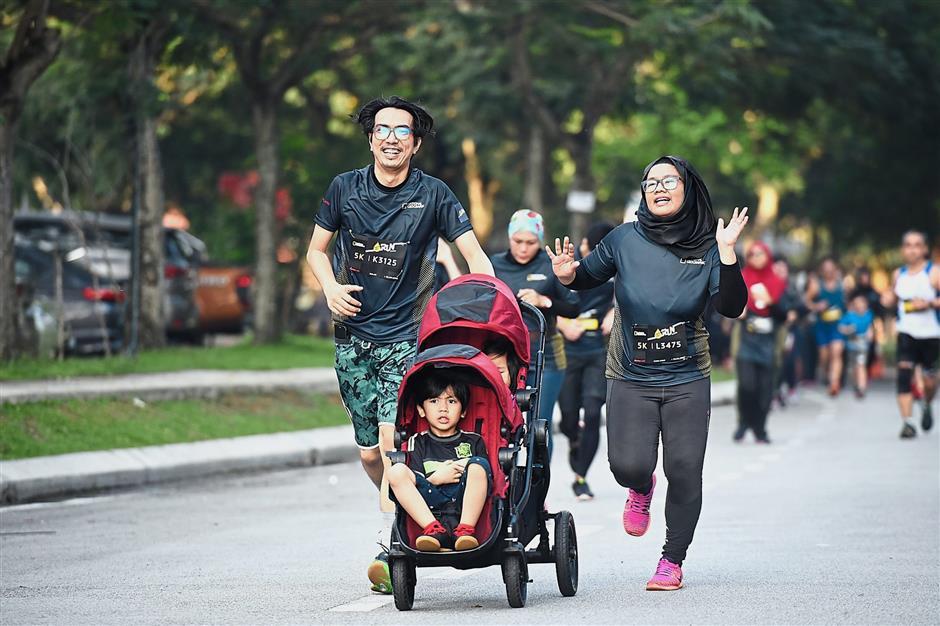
(516, 577)
(404, 579)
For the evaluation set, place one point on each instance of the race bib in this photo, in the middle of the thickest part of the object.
(759, 325)
(660, 344)
(373, 257)
(832, 314)
(588, 323)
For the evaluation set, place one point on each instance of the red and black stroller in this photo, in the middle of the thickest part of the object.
(459, 320)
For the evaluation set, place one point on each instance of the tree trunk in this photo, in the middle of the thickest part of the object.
(152, 330)
(8, 300)
(264, 296)
(152, 320)
(481, 194)
(581, 150)
(533, 194)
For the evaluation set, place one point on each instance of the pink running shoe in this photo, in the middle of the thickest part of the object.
(668, 577)
(636, 512)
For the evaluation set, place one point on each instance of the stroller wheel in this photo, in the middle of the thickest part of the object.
(403, 583)
(516, 577)
(566, 554)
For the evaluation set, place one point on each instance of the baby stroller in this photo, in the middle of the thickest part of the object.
(458, 321)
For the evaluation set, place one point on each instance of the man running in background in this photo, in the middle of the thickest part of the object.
(916, 293)
(387, 217)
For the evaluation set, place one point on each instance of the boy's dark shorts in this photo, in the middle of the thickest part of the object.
(440, 497)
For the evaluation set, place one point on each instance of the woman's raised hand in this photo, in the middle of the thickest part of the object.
(727, 236)
(563, 263)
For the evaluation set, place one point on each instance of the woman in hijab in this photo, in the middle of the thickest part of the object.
(756, 342)
(665, 267)
(528, 271)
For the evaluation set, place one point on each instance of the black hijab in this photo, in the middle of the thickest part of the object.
(690, 231)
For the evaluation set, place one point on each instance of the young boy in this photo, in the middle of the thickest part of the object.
(856, 326)
(503, 356)
(445, 465)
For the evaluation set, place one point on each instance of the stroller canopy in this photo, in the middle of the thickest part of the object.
(471, 310)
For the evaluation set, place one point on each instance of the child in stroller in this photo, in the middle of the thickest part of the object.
(472, 333)
(447, 468)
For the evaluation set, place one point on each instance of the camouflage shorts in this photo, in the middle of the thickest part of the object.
(369, 376)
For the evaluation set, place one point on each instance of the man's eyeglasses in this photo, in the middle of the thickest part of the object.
(669, 183)
(382, 132)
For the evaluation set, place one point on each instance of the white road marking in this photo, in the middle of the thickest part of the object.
(364, 604)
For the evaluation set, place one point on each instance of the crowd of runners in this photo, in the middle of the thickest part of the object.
(628, 312)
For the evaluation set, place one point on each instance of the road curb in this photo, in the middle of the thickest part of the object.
(70, 474)
(50, 477)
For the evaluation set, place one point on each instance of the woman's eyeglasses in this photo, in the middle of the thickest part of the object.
(669, 183)
(382, 132)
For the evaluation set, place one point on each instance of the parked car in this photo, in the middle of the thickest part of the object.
(92, 314)
(223, 298)
(104, 242)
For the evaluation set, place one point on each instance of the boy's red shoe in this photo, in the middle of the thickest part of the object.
(431, 538)
(465, 539)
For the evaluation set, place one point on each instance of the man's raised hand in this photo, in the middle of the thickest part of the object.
(563, 261)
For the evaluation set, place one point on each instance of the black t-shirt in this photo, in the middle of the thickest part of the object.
(659, 336)
(426, 451)
(387, 243)
(537, 274)
(595, 303)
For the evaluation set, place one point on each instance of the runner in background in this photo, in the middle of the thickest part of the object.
(585, 386)
(527, 270)
(916, 293)
(825, 297)
(756, 342)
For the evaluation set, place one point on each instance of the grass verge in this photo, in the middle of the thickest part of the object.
(291, 351)
(63, 426)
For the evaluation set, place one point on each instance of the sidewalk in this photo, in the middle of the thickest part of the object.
(171, 385)
(70, 474)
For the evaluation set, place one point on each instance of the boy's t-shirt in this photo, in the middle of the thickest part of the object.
(860, 322)
(427, 452)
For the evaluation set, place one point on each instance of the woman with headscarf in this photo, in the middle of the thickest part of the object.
(756, 342)
(528, 271)
(666, 266)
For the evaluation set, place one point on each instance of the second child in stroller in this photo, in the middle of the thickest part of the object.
(447, 469)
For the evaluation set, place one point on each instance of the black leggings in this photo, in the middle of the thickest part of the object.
(585, 386)
(636, 415)
(755, 393)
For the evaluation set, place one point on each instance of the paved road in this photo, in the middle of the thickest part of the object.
(836, 522)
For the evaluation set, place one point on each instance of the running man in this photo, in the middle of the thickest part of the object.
(825, 297)
(916, 293)
(388, 216)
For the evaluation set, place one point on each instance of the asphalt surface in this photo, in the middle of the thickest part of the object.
(835, 522)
